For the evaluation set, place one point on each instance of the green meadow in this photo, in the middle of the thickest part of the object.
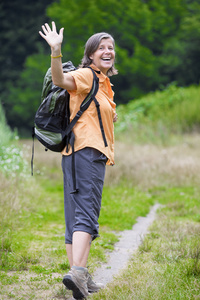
(157, 161)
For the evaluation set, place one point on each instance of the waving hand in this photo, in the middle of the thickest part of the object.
(51, 36)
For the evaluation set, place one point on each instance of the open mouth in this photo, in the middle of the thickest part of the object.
(106, 58)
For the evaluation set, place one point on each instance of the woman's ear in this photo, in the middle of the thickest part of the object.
(91, 56)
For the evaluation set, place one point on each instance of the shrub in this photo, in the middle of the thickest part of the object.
(159, 114)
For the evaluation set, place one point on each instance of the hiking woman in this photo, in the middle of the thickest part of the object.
(82, 209)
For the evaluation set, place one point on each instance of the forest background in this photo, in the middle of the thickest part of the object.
(157, 43)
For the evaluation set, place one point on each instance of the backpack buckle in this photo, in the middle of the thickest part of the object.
(79, 113)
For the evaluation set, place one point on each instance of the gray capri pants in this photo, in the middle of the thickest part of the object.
(83, 208)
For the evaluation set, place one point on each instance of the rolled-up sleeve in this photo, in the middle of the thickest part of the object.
(83, 79)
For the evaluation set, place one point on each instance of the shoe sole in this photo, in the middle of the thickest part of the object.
(70, 285)
(93, 291)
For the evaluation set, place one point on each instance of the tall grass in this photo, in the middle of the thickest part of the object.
(11, 155)
(150, 165)
(5, 132)
(160, 115)
(167, 264)
(13, 172)
(31, 210)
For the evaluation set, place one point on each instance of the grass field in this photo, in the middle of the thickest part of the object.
(154, 164)
(33, 258)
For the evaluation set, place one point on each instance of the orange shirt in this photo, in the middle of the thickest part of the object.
(87, 129)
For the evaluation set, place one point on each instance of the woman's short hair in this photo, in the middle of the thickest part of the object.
(91, 46)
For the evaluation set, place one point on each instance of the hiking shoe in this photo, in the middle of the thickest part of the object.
(76, 280)
(93, 287)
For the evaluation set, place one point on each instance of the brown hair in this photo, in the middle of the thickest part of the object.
(91, 46)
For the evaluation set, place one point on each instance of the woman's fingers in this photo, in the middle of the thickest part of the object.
(44, 29)
(50, 35)
(61, 31)
(48, 28)
(42, 34)
(53, 26)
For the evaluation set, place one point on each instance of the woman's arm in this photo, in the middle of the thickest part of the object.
(54, 39)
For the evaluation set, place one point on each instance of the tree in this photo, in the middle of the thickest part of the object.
(25, 97)
(157, 42)
(153, 39)
(180, 59)
(20, 22)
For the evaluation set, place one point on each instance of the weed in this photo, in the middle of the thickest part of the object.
(146, 245)
(11, 161)
(64, 266)
(60, 293)
(5, 131)
(6, 244)
(194, 267)
(8, 279)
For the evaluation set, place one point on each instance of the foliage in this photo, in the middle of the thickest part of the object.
(19, 38)
(157, 42)
(26, 97)
(11, 156)
(5, 131)
(20, 21)
(154, 39)
(159, 114)
(12, 161)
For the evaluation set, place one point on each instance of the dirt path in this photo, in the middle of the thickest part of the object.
(129, 242)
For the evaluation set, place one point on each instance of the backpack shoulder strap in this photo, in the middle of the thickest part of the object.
(95, 86)
(98, 110)
(85, 103)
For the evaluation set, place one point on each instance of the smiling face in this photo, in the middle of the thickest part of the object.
(103, 58)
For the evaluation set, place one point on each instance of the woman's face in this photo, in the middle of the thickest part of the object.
(103, 58)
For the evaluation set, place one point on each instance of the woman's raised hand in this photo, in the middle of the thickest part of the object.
(51, 36)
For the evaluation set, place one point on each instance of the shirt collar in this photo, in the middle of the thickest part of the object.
(102, 77)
